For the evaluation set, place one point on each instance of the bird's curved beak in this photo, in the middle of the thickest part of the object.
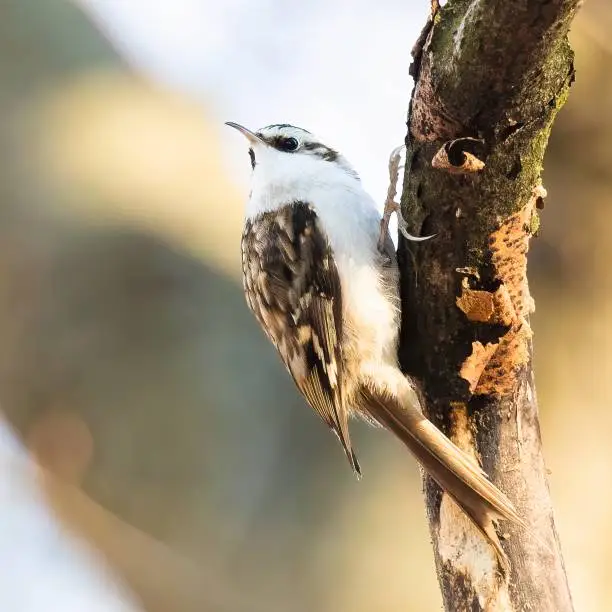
(250, 136)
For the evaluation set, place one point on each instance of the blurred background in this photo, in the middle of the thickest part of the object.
(182, 472)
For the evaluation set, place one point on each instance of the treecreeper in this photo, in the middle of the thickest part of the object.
(321, 277)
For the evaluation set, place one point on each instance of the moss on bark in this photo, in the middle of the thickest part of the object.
(498, 72)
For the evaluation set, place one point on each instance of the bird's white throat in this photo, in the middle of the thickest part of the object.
(346, 211)
(351, 221)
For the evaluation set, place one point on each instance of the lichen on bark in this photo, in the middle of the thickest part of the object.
(496, 73)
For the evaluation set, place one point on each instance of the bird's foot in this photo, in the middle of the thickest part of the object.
(391, 206)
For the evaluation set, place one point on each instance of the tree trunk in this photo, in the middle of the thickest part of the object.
(490, 79)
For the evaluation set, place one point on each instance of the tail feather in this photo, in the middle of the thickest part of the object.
(457, 473)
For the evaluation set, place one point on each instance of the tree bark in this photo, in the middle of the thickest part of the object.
(490, 78)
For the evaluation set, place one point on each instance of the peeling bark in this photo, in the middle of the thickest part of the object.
(490, 78)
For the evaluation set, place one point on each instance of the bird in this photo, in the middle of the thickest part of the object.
(320, 275)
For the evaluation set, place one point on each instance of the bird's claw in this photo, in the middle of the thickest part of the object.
(391, 206)
(403, 227)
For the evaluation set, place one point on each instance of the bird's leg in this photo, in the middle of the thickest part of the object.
(391, 206)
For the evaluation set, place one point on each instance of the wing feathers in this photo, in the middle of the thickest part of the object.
(293, 287)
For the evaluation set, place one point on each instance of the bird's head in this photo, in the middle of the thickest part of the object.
(286, 148)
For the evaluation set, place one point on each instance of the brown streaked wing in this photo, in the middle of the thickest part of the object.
(293, 288)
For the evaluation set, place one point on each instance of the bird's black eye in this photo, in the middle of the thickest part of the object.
(287, 144)
(252, 156)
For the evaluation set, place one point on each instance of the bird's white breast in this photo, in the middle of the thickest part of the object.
(351, 221)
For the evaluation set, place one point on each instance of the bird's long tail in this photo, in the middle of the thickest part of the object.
(393, 405)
